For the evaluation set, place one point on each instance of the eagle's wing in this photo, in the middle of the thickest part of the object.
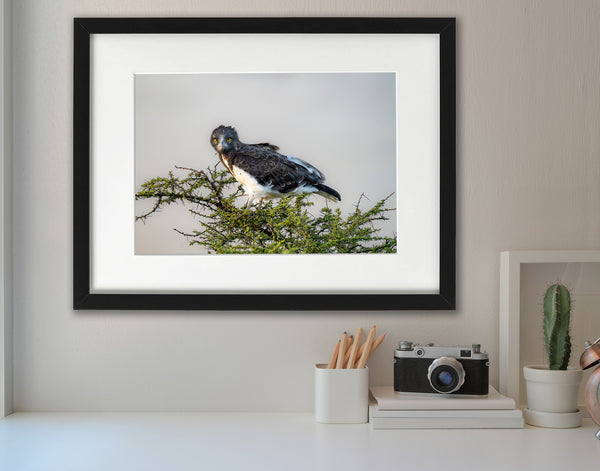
(269, 168)
(315, 171)
(267, 145)
(308, 167)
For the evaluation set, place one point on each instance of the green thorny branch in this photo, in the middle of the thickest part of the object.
(281, 226)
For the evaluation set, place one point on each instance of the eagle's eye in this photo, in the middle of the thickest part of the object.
(228, 139)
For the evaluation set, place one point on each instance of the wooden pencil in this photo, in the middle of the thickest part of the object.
(367, 351)
(359, 354)
(354, 350)
(376, 344)
(349, 346)
(334, 355)
(340, 359)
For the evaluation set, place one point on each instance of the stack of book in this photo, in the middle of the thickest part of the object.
(389, 409)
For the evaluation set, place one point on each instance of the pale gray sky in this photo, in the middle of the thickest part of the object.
(342, 123)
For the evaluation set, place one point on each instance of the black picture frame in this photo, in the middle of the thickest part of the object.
(83, 298)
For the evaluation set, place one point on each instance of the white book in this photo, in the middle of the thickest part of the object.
(446, 414)
(445, 419)
(387, 398)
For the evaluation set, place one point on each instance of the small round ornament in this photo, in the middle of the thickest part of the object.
(591, 357)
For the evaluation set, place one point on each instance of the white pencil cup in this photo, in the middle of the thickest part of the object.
(341, 395)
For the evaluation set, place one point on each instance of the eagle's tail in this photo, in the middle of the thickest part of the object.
(328, 192)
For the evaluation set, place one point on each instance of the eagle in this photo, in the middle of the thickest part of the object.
(265, 173)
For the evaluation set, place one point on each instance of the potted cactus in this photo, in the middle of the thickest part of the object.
(552, 388)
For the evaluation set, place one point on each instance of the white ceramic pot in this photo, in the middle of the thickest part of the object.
(342, 395)
(552, 390)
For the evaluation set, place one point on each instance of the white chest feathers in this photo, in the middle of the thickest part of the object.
(255, 190)
(250, 184)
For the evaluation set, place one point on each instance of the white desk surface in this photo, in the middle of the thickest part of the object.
(275, 441)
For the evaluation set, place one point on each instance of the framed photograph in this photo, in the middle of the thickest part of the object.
(264, 163)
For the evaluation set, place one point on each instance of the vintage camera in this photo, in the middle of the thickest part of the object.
(441, 370)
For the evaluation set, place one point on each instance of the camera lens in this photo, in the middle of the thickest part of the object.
(445, 378)
(446, 375)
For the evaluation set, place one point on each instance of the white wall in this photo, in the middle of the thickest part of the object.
(528, 178)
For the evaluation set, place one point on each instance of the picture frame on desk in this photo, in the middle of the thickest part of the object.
(521, 338)
(120, 63)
